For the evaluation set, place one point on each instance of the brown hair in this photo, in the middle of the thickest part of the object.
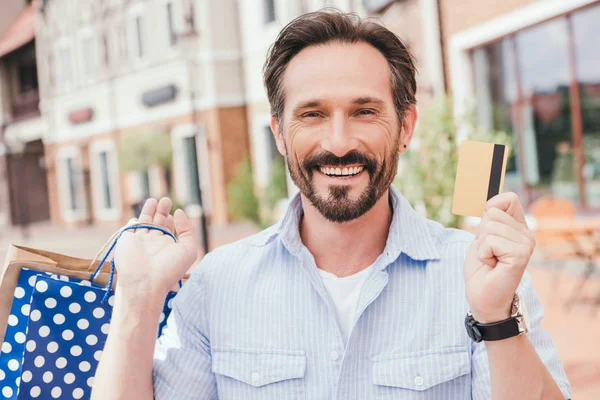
(335, 26)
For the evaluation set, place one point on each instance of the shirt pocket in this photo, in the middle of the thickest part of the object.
(243, 373)
(438, 373)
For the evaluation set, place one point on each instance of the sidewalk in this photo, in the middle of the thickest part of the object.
(575, 331)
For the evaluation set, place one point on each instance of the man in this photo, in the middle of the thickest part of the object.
(351, 295)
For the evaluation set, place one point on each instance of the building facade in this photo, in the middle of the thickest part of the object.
(115, 70)
(532, 69)
(23, 186)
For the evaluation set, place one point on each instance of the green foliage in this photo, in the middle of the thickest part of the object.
(277, 187)
(428, 169)
(242, 202)
(141, 150)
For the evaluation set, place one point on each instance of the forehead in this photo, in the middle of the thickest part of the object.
(337, 72)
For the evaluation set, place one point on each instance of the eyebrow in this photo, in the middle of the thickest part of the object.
(318, 102)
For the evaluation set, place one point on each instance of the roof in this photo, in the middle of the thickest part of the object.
(20, 32)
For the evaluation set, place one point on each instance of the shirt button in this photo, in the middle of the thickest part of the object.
(418, 381)
(255, 377)
(334, 355)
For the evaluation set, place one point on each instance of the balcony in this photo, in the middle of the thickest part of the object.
(26, 105)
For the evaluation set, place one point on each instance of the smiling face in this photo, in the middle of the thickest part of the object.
(340, 131)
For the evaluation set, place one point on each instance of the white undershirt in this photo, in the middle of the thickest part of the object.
(345, 293)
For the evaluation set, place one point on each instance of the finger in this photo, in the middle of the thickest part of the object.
(496, 214)
(147, 214)
(171, 224)
(494, 228)
(510, 203)
(186, 232)
(495, 250)
(163, 209)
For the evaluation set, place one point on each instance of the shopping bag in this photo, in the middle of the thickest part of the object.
(57, 328)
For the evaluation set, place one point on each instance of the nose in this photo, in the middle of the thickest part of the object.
(339, 140)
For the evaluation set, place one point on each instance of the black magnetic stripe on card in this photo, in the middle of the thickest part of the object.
(496, 171)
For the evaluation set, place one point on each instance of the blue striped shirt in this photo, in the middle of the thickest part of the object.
(255, 322)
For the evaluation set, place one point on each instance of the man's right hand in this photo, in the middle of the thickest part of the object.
(150, 263)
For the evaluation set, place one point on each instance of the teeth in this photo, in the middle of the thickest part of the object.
(345, 171)
(341, 171)
(338, 171)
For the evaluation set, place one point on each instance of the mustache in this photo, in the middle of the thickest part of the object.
(351, 158)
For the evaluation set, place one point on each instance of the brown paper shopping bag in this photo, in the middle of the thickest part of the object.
(19, 257)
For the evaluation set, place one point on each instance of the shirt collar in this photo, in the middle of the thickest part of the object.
(409, 232)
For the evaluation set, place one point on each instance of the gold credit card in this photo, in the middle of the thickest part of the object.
(479, 176)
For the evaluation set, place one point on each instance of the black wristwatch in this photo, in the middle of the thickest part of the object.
(515, 325)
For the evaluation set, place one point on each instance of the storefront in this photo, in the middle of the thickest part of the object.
(541, 84)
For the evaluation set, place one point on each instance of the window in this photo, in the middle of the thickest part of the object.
(104, 173)
(139, 31)
(171, 24)
(192, 163)
(64, 69)
(269, 10)
(89, 52)
(71, 174)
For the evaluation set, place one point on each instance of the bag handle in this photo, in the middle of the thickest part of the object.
(115, 238)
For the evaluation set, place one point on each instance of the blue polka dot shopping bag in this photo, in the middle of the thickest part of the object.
(54, 321)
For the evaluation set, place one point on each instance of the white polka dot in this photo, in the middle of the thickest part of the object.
(69, 378)
(86, 283)
(32, 281)
(74, 308)
(77, 393)
(76, 351)
(52, 347)
(39, 361)
(19, 292)
(91, 340)
(64, 278)
(13, 320)
(50, 303)
(162, 318)
(27, 375)
(18, 381)
(170, 303)
(68, 334)
(6, 347)
(13, 365)
(7, 392)
(98, 355)
(99, 313)
(48, 376)
(2, 375)
(44, 331)
(35, 392)
(105, 328)
(90, 382)
(54, 276)
(66, 291)
(90, 297)
(84, 366)
(83, 324)
(25, 309)
(35, 315)
(61, 362)
(59, 319)
(56, 392)
(41, 286)
(20, 337)
(30, 346)
(111, 301)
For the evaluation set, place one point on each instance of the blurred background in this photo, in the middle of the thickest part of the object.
(104, 103)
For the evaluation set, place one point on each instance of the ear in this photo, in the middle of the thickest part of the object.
(409, 121)
(279, 140)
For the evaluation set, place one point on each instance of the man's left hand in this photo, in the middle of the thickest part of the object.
(497, 258)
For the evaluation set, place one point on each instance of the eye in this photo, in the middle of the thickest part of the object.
(365, 111)
(311, 114)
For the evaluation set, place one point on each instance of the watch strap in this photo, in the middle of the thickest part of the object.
(492, 331)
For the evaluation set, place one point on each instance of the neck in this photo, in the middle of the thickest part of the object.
(346, 248)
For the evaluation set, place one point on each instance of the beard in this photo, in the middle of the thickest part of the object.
(337, 206)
